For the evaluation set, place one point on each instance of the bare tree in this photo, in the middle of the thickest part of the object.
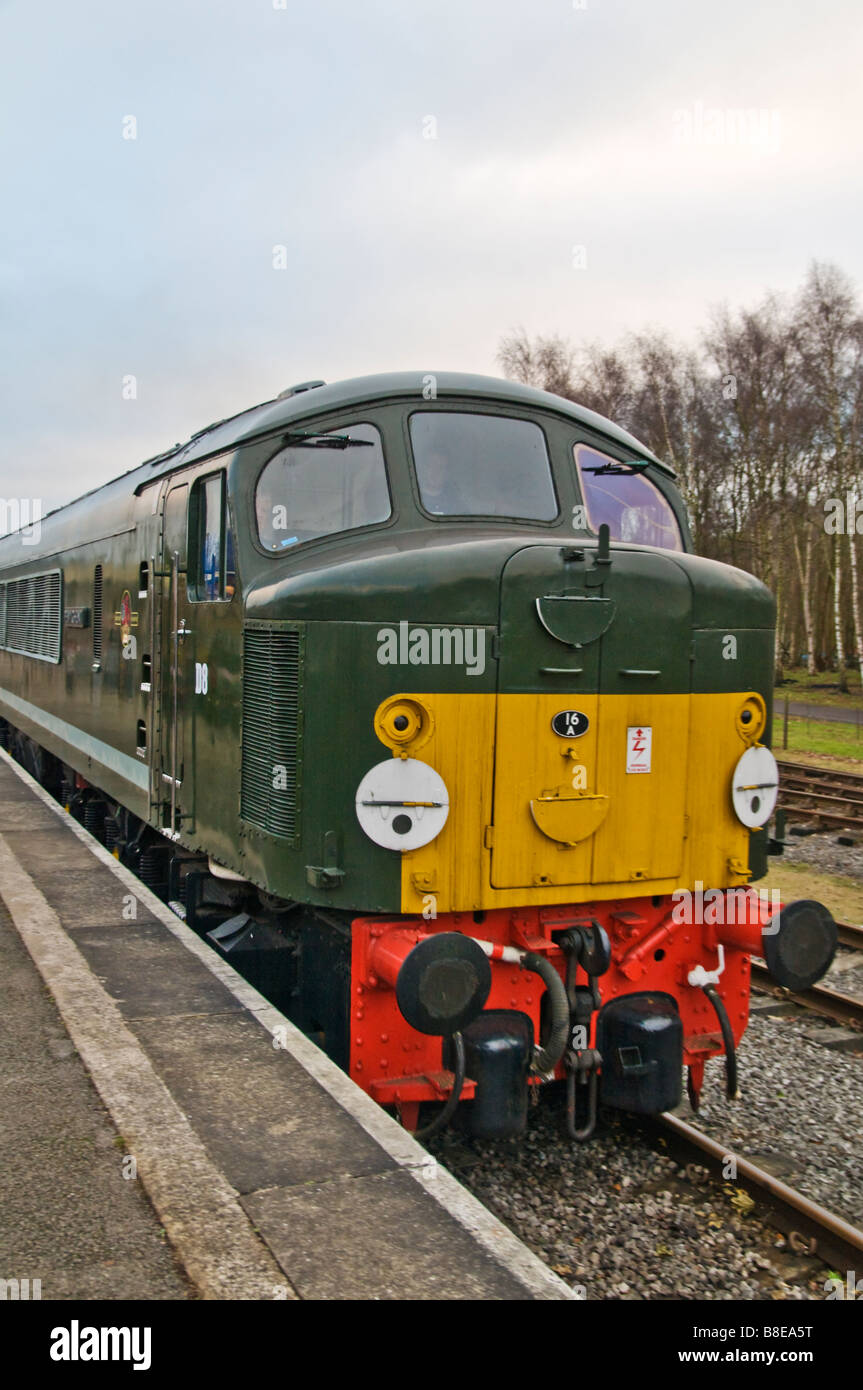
(546, 364)
(829, 331)
(763, 426)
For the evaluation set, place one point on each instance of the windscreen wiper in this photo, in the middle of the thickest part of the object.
(325, 441)
(629, 467)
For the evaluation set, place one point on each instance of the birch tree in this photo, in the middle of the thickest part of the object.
(829, 332)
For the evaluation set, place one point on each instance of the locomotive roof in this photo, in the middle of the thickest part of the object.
(299, 403)
(271, 416)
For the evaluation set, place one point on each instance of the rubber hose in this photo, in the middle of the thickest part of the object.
(444, 1116)
(547, 1056)
(728, 1040)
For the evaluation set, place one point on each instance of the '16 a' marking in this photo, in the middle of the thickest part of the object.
(570, 723)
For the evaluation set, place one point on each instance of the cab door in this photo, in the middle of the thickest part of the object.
(173, 753)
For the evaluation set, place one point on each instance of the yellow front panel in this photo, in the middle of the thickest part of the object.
(534, 766)
(662, 830)
(461, 750)
(643, 834)
(719, 841)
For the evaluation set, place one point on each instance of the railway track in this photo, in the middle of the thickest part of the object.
(832, 799)
(809, 1227)
(819, 999)
(850, 935)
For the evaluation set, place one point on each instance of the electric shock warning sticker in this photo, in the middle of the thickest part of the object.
(639, 742)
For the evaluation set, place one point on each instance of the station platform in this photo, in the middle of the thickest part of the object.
(218, 1154)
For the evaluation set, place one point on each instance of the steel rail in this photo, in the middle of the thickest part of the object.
(811, 1228)
(842, 1008)
(837, 818)
(852, 785)
(833, 795)
(849, 935)
(837, 776)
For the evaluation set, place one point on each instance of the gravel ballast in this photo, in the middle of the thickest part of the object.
(821, 850)
(619, 1218)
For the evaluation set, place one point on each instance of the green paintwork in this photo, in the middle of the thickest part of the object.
(670, 612)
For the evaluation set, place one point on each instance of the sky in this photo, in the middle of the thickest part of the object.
(205, 201)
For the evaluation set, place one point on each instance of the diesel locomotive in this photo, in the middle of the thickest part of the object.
(409, 693)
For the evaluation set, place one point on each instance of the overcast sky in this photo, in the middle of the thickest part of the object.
(438, 174)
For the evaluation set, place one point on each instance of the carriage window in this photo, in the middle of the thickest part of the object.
(631, 505)
(214, 575)
(320, 484)
(482, 465)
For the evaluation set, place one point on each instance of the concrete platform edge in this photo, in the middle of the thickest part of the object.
(199, 1210)
(64, 974)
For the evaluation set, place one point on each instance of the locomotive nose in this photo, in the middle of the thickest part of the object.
(799, 944)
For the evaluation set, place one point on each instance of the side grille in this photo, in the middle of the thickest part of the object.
(272, 729)
(97, 613)
(33, 615)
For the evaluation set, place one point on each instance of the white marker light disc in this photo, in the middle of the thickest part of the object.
(755, 787)
(402, 804)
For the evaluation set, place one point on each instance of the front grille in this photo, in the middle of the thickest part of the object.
(272, 732)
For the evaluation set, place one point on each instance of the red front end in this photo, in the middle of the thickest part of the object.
(650, 953)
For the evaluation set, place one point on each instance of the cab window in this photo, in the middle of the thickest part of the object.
(322, 483)
(213, 573)
(619, 495)
(482, 465)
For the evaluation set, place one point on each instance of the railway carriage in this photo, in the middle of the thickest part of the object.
(409, 693)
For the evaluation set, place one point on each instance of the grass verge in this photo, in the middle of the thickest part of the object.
(821, 689)
(820, 739)
(843, 896)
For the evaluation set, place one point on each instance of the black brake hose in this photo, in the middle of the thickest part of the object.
(444, 1115)
(547, 1056)
(728, 1040)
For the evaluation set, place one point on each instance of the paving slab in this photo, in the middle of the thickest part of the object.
(55, 849)
(369, 1238)
(26, 815)
(68, 1216)
(147, 973)
(89, 900)
(259, 1113)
